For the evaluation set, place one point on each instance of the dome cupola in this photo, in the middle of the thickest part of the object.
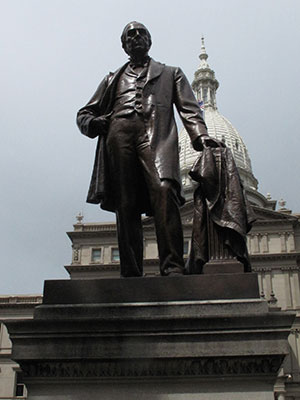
(205, 84)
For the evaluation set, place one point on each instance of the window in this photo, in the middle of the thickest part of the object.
(20, 390)
(185, 248)
(204, 95)
(115, 256)
(96, 255)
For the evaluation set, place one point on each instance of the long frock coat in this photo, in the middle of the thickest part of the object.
(165, 86)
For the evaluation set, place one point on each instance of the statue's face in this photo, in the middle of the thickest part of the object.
(136, 40)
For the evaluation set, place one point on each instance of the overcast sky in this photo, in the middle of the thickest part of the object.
(53, 55)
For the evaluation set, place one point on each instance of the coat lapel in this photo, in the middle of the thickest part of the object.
(154, 70)
(108, 97)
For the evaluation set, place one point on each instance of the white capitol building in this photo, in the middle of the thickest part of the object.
(273, 243)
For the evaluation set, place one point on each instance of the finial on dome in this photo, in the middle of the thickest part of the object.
(79, 218)
(203, 55)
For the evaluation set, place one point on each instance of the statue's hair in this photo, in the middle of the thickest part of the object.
(129, 25)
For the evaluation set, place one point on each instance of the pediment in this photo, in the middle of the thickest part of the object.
(266, 214)
(262, 214)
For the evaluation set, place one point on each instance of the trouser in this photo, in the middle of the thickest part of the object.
(131, 164)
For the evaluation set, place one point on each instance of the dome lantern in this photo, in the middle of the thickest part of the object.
(205, 84)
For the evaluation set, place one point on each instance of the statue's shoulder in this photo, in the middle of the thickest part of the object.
(158, 63)
(111, 75)
(168, 68)
(173, 72)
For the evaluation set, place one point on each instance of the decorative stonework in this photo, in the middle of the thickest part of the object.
(92, 268)
(231, 366)
(275, 257)
(289, 268)
(11, 301)
(295, 331)
(76, 254)
(262, 269)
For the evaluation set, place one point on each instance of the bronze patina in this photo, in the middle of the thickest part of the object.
(136, 168)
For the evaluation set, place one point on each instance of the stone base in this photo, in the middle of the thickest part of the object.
(152, 289)
(154, 390)
(152, 338)
(228, 267)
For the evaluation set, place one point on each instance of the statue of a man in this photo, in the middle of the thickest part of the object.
(136, 168)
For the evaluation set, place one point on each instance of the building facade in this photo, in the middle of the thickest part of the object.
(273, 244)
(13, 307)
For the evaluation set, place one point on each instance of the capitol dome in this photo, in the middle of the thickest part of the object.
(205, 86)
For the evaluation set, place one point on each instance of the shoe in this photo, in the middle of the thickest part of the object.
(174, 272)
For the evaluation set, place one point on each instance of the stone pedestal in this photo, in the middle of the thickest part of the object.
(190, 337)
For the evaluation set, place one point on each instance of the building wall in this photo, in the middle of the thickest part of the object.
(12, 307)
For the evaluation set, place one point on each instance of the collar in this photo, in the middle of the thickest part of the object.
(141, 63)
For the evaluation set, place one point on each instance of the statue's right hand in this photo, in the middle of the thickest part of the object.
(208, 141)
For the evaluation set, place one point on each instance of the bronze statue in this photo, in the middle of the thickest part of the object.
(137, 165)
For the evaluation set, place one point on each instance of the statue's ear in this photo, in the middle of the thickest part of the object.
(124, 47)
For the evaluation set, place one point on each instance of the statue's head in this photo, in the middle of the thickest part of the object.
(136, 39)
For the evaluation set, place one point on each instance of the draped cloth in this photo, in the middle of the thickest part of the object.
(220, 198)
